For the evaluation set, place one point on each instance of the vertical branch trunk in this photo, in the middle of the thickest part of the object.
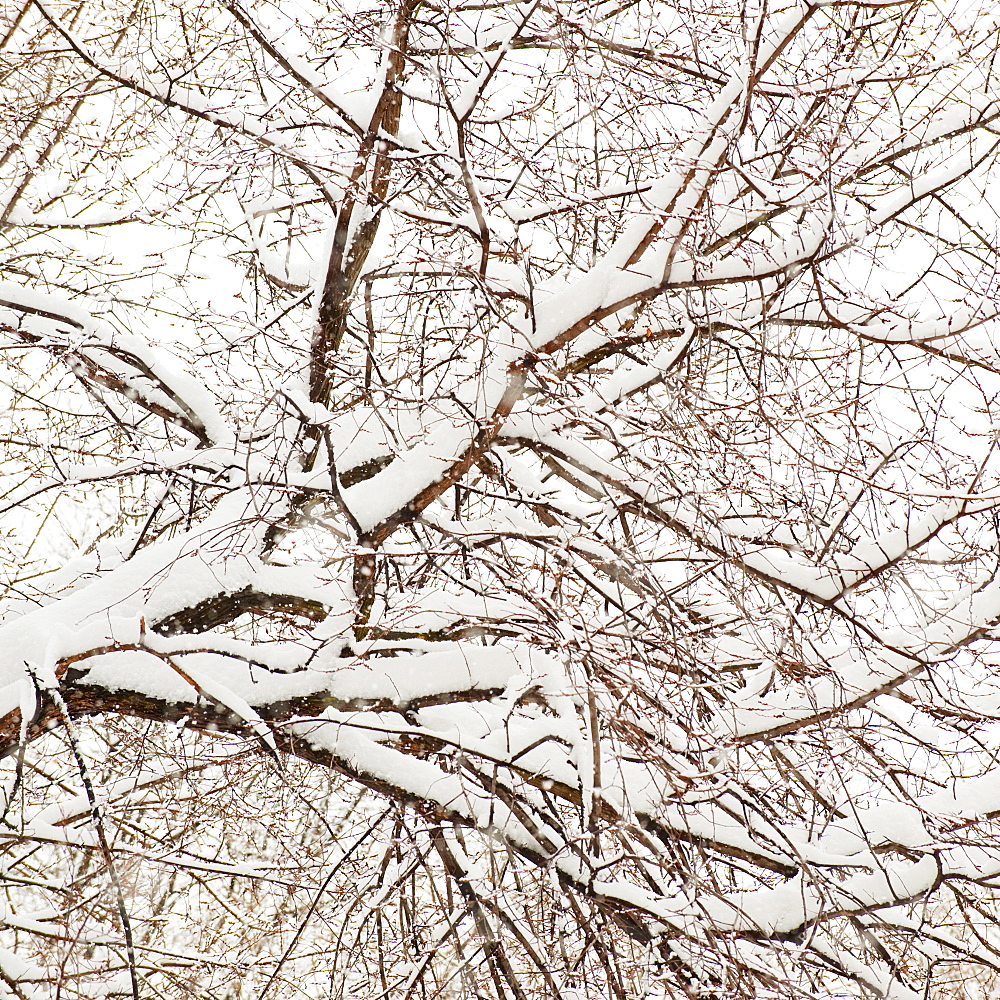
(360, 211)
(353, 237)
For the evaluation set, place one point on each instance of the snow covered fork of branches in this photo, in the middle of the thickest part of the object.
(500, 499)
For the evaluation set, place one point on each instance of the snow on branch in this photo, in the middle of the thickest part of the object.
(527, 522)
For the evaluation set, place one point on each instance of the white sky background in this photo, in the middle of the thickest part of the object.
(185, 290)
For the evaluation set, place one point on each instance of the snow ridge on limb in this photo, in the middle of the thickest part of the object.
(592, 297)
(125, 364)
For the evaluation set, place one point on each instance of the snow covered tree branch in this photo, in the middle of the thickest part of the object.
(504, 495)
